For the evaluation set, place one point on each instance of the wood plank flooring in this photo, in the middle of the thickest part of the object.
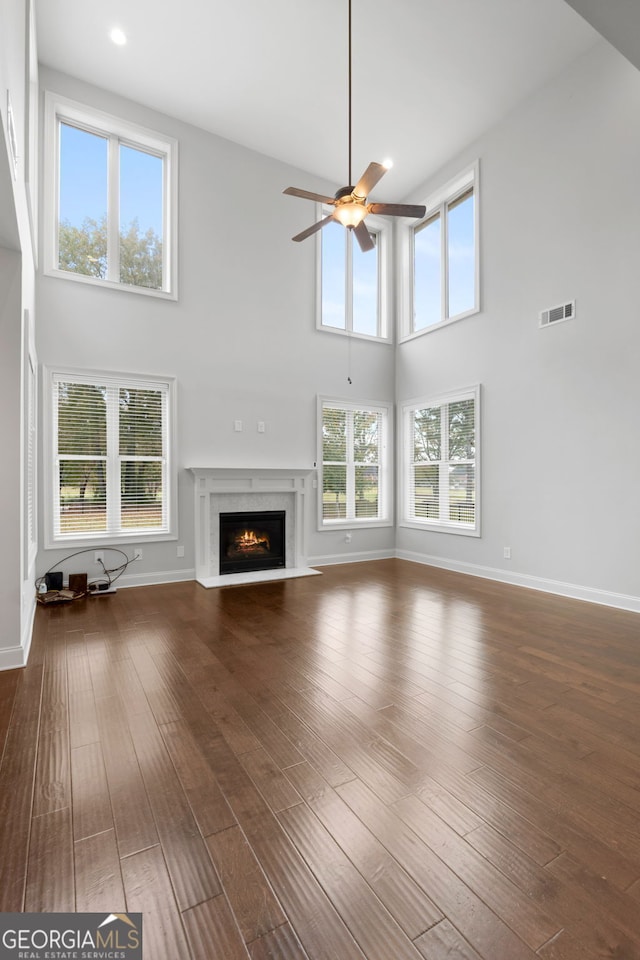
(388, 762)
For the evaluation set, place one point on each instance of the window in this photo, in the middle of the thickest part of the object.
(441, 258)
(353, 285)
(354, 453)
(441, 463)
(111, 457)
(110, 201)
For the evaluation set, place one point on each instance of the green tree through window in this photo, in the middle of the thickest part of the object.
(353, 460)
(83, 250)
(110, 200)
(441, 449)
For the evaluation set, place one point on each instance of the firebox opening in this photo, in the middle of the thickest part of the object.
(252, 540)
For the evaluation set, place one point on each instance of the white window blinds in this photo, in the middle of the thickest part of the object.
(111, 456)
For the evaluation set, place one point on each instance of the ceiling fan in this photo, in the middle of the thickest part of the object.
(350, 203)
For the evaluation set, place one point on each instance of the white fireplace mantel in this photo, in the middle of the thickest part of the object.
(227, 489)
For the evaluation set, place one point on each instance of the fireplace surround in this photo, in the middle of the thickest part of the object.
(220, 490)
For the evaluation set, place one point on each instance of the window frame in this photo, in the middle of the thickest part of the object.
(384, 246)
(437, 205)
(385, 465)
(59, 110)
(50, 376)
(406, 412)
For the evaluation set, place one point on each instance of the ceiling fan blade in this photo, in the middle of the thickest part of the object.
(363, 237)
(398, 209)
(313, 228)
(308, 195)
(368, 180)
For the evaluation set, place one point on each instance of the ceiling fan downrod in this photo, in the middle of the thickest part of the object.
(349, 72)
(350, 207)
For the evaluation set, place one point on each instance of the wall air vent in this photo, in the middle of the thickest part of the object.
(565, 311)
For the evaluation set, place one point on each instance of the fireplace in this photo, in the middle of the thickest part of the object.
(252, 540)
(220, 490)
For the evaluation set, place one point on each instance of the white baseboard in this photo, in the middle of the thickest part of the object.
(14, 658)
(574, 591)
(29, 608)
(150, 579)
(329, 559)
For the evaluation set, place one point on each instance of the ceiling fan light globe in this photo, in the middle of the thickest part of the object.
(350, 214)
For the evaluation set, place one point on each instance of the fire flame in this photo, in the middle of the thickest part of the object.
(250, 539)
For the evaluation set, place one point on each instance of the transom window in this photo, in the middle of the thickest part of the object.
(110, 210)
(354, 455)
(441, 256)
(440, 463)
(352, 284)
(111, 457)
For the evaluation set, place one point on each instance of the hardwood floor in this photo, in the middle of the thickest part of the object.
(385, 762)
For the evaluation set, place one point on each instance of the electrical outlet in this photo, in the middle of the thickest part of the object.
(98, 556)
(137, 553)
(507, 553)
(347, 538)
(180, 551)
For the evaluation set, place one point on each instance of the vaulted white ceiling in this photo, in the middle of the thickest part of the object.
(428, 75)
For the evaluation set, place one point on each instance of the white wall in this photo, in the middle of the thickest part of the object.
(241, 339)
(17, 284)
(560, 210)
